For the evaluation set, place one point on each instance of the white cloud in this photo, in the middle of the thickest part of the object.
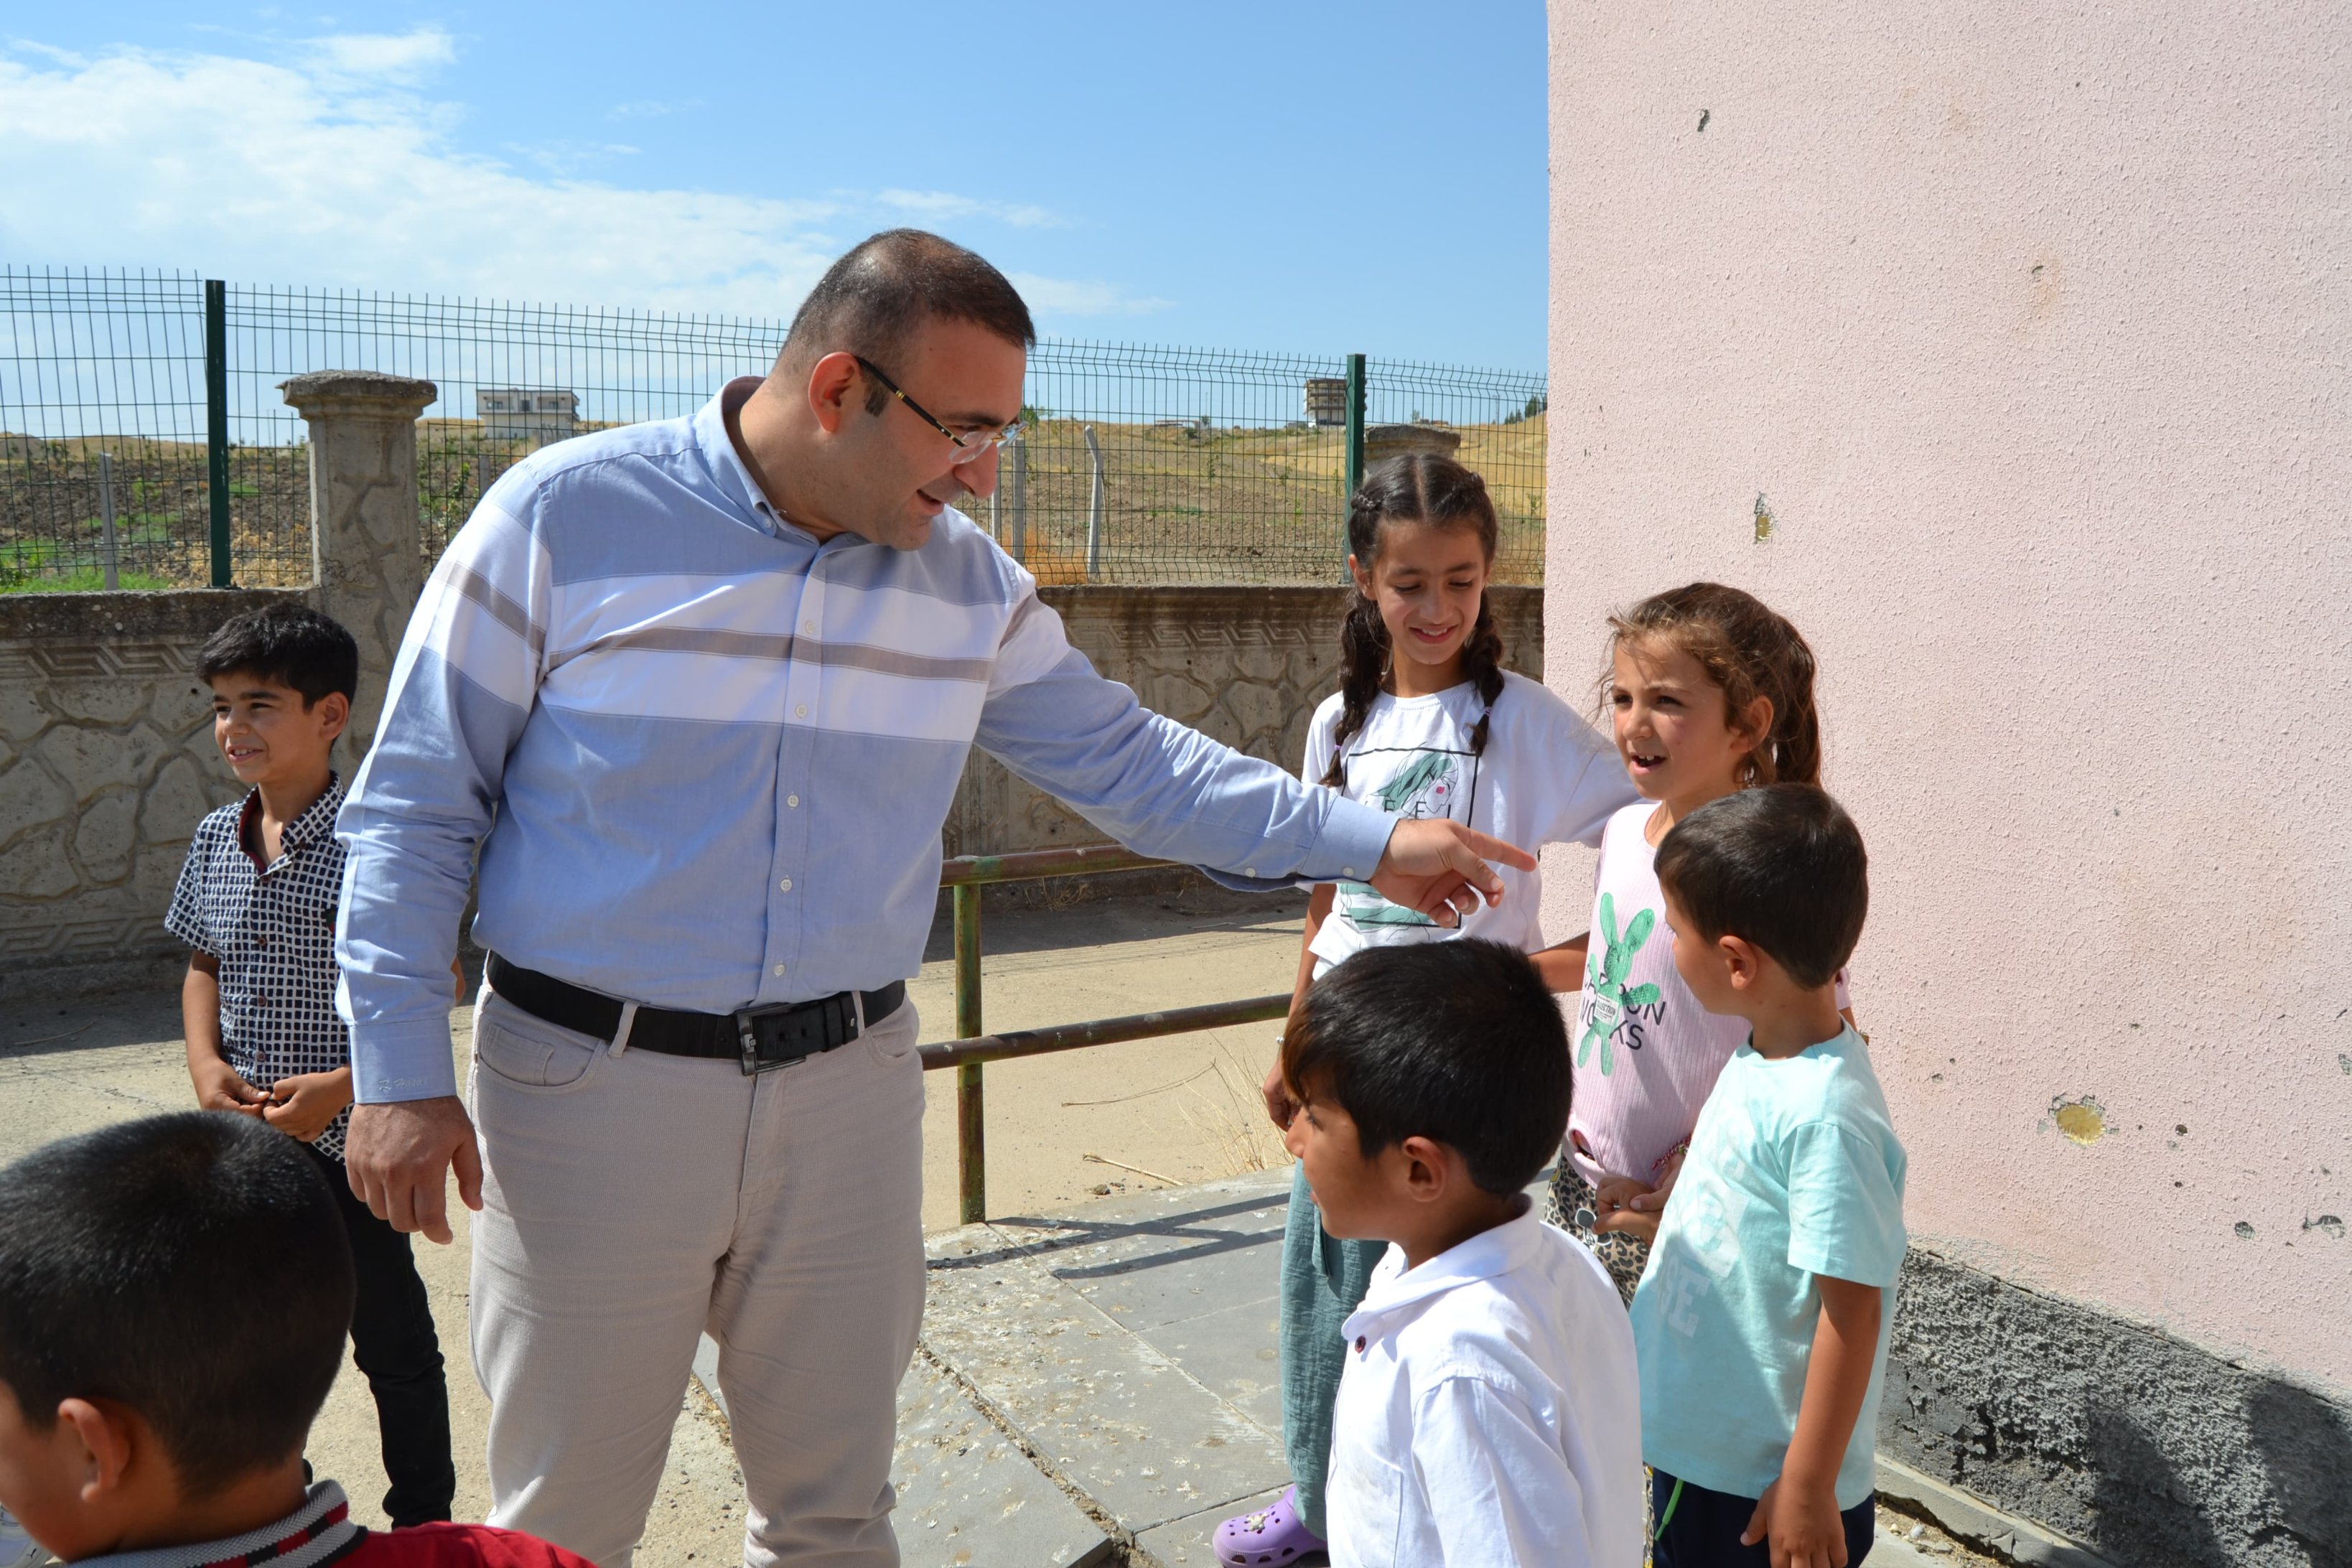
(391, 54)
(329, 166)
(274, 172)
(939, 205)
(1061, 296)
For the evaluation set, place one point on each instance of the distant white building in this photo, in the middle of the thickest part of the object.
(526, 413)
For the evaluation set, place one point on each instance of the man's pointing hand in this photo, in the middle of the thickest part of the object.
(1439, 868)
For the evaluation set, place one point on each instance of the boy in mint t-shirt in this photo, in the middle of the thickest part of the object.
(1762, 1320)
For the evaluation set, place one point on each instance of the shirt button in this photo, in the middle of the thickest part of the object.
(794, 801)
(800, 710)
(778, 969)
(785, 886)
(1347, 870)
(809, 627)
(1249, 870)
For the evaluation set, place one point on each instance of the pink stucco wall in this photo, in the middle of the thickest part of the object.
(2031, 326)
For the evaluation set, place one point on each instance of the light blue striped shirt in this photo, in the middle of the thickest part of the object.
(707, 759)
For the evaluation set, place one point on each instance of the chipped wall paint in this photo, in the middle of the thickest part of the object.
(2032, 323)
(2084, 1120)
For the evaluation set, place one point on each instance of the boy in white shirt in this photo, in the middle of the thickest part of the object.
(1489, 1413)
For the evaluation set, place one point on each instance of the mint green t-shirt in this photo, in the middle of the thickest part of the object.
(1794, 1171)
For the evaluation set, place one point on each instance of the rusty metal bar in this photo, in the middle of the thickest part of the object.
(1035, 864)
(971, 1121)
(967, 1053)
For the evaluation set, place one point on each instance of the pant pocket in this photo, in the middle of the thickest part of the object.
(530, 1053)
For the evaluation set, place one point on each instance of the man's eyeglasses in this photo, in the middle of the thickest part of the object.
(971, 446)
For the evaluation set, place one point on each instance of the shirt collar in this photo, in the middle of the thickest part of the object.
(317, 1532)
(315, 819)
(1485, 1255)
(726, 464)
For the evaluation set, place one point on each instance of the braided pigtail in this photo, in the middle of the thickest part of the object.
(1363, 665)
(1482, 661)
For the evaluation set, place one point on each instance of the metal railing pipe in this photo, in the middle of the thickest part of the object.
(966, 1054)
(971, 1121)
(1035, 865)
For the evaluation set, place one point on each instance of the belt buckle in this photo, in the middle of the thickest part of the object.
(790, 1032)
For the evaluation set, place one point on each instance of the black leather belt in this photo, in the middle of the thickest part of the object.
(758, 1037)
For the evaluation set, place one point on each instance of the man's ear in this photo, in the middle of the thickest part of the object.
(99, 1441)
(1743, 961)
(832, 380)
(1427, 1171)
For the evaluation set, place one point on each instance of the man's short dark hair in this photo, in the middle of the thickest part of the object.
(192, 1268)
(290, 645)
(1456, 1041)
(1782, 866)
(887, 287)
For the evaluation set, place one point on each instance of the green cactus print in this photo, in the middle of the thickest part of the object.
(1604, 978)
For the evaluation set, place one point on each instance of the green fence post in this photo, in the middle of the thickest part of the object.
(216, 422)
(1355, 423)
(972, 1126)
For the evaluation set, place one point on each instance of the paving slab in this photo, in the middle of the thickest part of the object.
(968, 1495)
(1188, 1541)
(1110, 1415)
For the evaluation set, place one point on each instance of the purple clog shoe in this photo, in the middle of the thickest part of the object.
(1270, 1537)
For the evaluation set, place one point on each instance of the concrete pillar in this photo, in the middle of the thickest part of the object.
(1383, 442)
(367, 555)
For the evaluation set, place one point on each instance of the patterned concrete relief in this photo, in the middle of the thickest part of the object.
(1245, 666)
(107, 760)
(106, 764)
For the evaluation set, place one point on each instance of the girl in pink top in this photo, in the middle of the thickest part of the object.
(1711, 693)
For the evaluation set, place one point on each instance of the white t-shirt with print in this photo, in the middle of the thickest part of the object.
(1546, 777)
(1644, 1053)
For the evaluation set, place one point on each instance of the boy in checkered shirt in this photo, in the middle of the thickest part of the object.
(257, 901)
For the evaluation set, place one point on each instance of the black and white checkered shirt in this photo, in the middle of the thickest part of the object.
(273, 930)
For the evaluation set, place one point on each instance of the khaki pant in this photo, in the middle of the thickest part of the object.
(633, 1201)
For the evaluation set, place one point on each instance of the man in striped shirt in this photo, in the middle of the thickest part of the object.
(700, 692)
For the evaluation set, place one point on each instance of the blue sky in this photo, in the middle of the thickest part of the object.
(1319, 177)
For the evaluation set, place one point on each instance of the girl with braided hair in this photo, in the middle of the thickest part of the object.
(1426, 723)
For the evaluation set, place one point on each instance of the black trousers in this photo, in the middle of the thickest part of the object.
(395, 1346)
(1703, 1528)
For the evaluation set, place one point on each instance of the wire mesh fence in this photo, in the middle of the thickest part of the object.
(1135, 463)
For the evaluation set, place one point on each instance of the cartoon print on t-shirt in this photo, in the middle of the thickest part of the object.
(1611, 1001)
(1423, 787)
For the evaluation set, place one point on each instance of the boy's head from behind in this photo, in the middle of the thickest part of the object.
(173, 1297)
(1765, 890)
(283, 678)
(1432, 1079)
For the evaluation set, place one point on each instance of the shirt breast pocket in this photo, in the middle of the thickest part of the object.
(1364, 1508)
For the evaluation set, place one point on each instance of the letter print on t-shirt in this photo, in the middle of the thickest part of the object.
(1419, 782)
(1609, 1002)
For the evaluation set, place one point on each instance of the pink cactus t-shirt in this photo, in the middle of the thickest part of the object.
(1645, 1054)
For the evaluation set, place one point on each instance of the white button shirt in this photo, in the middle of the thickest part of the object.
(1490, 1412)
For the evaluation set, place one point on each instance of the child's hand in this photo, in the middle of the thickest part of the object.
(1618, 1206)
(303, 1106)
(1279, 1106)
(1802, 1525)
(219, 1089)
